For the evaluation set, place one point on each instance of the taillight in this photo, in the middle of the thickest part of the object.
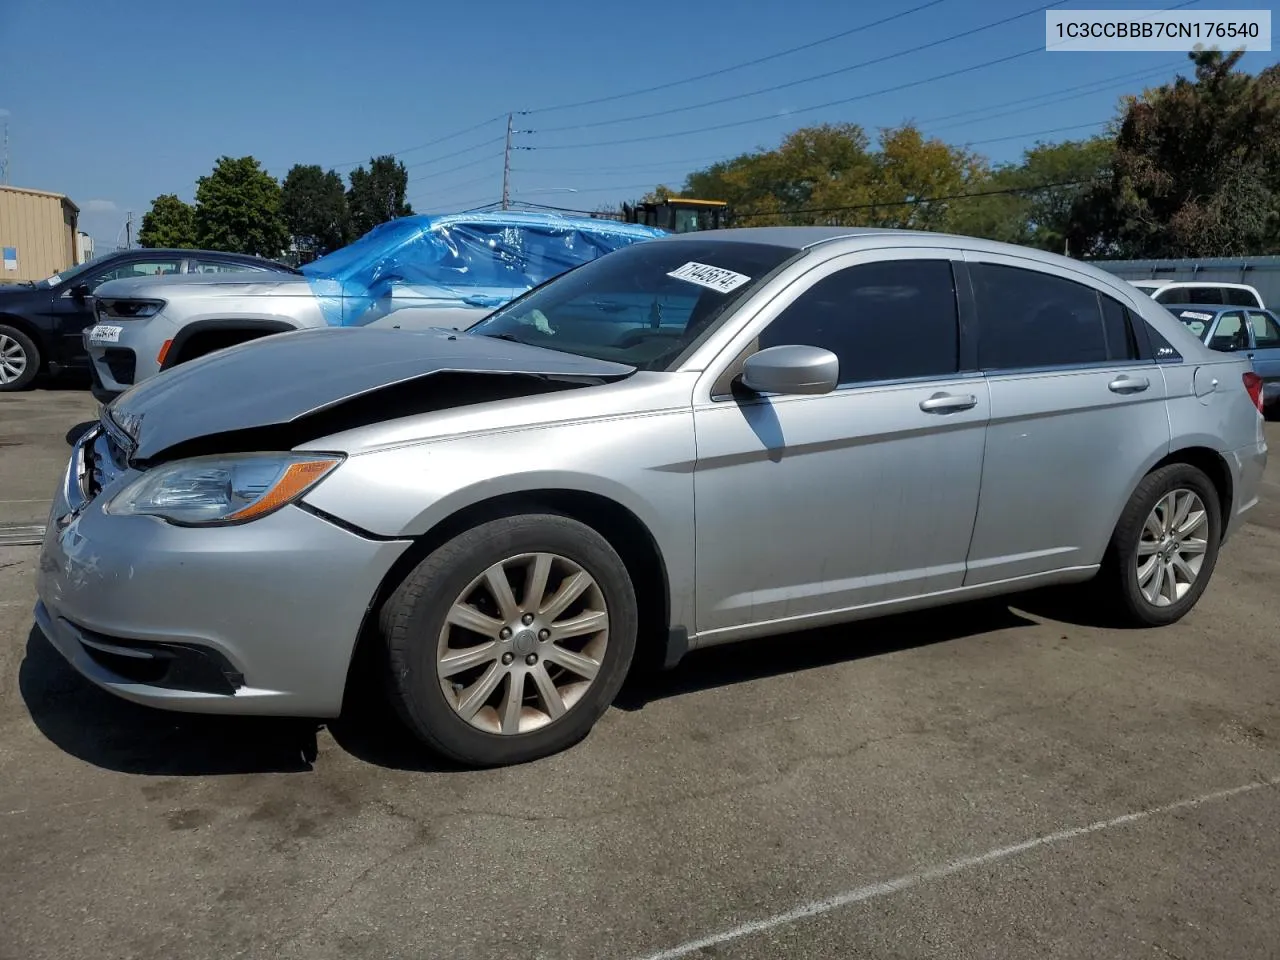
(1253, 385)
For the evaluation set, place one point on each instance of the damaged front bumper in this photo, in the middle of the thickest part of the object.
(260, 618)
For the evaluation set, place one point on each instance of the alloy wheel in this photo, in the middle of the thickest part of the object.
(13, 359)
(1172, 547)
(522, 643)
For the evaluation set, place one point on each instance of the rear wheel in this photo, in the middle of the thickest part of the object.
(19, 359)
(508, 642)
(1165, 547)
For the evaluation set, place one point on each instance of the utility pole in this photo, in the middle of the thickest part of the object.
(128, 231)
(506, 168)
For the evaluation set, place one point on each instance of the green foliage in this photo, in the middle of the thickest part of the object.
(169, 223)
(314, 206)
(1030, 212)
(830, 175)
(1195, 170)
(238, 209)
(377, 194)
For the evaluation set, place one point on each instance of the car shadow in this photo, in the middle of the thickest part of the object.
(114, 734)
(70, 381)
(767, 657)
(99, 728)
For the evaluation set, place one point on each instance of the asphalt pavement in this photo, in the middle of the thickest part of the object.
(999, 780)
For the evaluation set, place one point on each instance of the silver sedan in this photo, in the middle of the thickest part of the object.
(686, 442)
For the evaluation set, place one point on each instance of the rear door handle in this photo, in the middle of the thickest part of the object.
(948, 403)
(1128, 384)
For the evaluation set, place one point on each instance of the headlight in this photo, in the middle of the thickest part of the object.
(129, 309)
(220, 490)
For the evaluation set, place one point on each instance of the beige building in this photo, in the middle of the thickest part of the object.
(37, 234)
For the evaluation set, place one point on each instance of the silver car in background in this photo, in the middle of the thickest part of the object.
(446, 270)
(686, 442)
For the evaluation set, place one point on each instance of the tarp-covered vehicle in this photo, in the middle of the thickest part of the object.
(414, 272)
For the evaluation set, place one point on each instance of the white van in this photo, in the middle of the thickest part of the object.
(1189, 291)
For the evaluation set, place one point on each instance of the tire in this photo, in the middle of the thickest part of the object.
(1133, 548)
(17, 349)
(414, 622)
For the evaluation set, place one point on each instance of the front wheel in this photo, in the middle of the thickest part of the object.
(19, 360)
(1165, 546)
(508, 642)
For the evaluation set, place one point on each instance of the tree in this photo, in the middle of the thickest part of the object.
(238, 209)
(377, 194)
(910, 171)
(1041, 193)
(1194, 171)
(314, 206)
(829, 174)
(169, 223)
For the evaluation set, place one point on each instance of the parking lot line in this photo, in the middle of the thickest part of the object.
(21, 534)
(875, 890)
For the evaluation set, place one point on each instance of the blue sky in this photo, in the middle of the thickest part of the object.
(114, 103)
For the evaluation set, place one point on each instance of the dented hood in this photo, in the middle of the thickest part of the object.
(283, 378)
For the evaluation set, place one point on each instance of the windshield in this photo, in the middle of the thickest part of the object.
(72, 272)
(642, 305)
(1197, 321)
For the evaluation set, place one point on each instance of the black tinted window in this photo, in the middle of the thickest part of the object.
(1033, 319)
(885, 321)
(1193, 295)
(1239, 298)
(1118, 324)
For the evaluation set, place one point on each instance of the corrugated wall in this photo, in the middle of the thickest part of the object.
(41, 228)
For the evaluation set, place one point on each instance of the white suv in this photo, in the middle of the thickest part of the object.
(1190, 291)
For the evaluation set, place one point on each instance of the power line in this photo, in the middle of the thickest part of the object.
(821, 106)
(462, 166)
(739, 66)
(465, 183)
(917, 201)
(1066, 93)
(1057, 96)
(809, 109)
(430, 143)
(1037, 133)
(456, 153)
(1015, 136)
(633, 168)
(803, 80)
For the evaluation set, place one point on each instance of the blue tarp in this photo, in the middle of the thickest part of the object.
(462, 259)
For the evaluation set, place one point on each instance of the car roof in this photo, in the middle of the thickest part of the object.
(179, 252)
(794, 238)
(1162, 284)
(1214, 307)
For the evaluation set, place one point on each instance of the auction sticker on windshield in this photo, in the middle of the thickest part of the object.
(105, 334)
(713, 278)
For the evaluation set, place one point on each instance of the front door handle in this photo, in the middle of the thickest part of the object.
(948, 403)
(1128, 384)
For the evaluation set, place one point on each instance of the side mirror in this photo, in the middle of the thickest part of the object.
(80, 291)
(792, 368)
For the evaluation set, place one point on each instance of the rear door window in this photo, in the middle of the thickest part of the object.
(1029, 319)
